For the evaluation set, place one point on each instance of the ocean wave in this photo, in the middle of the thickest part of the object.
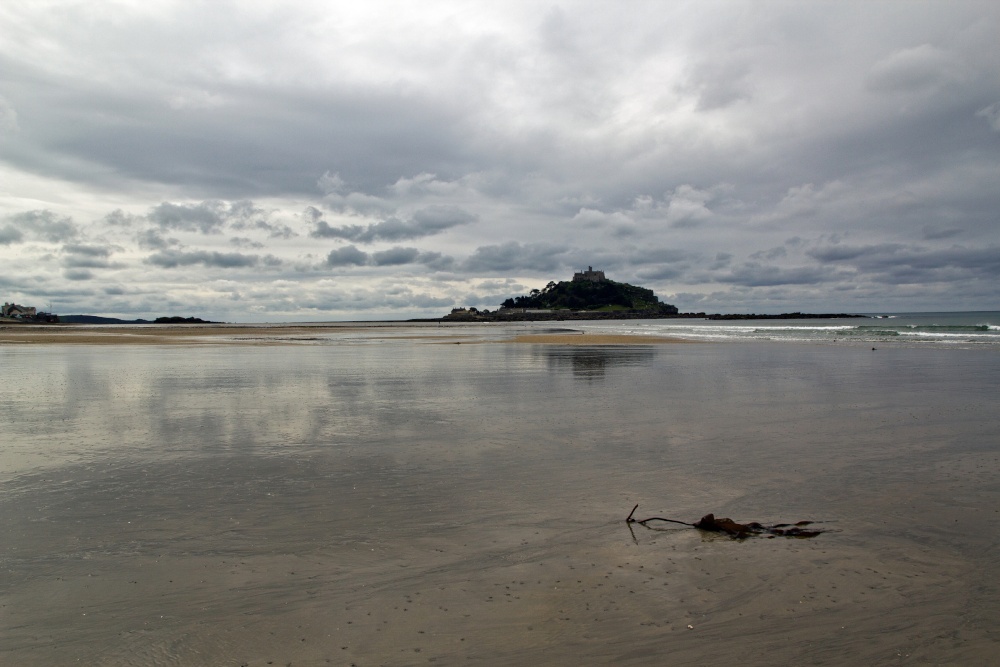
(872, 331)
(945, 328)
(930, 329)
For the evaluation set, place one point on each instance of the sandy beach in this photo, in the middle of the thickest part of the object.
(163, 334)
(382, 501)
(276, 335)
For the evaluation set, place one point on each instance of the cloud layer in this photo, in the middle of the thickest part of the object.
(320, 161)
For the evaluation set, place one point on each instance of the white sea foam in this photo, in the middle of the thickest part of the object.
(899, 329)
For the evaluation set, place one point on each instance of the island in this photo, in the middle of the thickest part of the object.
(590, 295)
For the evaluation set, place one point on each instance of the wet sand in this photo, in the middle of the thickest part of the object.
(401, 504)
(165, 334)
(275, 335)
(595, 339)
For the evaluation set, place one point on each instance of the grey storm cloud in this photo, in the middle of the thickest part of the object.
(721, 82)
(436, 261)
(243, 215)
(45, 225)
(88, 250)
(347, 256)
(10, 234)
(396, 256)
(906, 263)
(119, 218)
(657, 256)
(771, 253)
(152, 239)
(512, 256)
(753, 274)
(936, 234)
(8, 117)
(425, 222)
(913, 69)
(841, 253)
(170, 259)
(207, 217)
(982, 260)
(87, 256)
(992, 115)
(78, 274)
(680, 145)
(242, 242)
(353, 302)
(660, 273)
(439, 218)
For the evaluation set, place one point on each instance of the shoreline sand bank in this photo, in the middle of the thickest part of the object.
(286, 335)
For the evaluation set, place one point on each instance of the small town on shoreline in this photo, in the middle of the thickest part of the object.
(589, 295)
(12, 312)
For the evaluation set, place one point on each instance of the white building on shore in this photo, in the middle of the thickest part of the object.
(17, 312)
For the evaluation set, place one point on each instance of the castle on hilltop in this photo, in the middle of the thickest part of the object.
(589, 276)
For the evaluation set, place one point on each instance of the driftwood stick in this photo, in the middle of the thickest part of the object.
(629, 519)
(660, 518)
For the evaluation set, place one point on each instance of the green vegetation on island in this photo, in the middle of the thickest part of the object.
(603, 295)
(589, 295)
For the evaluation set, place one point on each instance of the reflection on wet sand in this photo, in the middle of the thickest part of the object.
(405, 503)
(594, 361)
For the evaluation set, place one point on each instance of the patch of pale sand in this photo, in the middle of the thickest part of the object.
(595, 339)
(168, 335)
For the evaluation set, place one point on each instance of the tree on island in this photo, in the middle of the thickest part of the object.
(594, 295)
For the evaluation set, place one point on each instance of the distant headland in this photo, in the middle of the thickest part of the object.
(590, 295)
(95, 319)
(12, 313)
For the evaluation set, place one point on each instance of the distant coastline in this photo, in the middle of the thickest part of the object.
(97, 319)
(469, 317)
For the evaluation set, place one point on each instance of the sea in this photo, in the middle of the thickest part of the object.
(415, 493)
(961, 329)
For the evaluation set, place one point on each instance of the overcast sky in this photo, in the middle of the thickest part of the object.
(266, 161)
